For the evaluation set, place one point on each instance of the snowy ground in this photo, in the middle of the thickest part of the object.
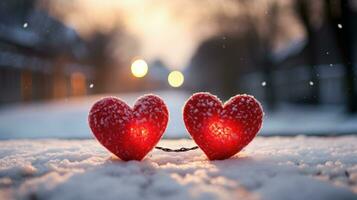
(68, 118)
(269, 168)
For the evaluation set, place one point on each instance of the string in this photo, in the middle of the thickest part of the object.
(182, 149)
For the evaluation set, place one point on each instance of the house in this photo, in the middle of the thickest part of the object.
(40, 57)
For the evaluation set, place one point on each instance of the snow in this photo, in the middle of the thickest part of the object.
(269, 168)
(309, 120)
(67, 118)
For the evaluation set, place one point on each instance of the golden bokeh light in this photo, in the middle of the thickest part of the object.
(175, 79)
(139, 68)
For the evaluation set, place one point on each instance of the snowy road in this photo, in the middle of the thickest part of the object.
(67, 118)
(269, 168)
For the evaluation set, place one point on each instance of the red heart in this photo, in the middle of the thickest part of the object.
(222, 130)
(129, 133)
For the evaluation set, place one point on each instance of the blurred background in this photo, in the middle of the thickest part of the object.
(298, 57)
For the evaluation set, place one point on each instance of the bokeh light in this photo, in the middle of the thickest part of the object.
(139, 68)
(175, 79)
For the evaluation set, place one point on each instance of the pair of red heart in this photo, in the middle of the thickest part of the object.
(219, 130)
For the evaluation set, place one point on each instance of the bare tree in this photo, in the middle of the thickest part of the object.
(267, 61)
(341, 17)
(303, 8)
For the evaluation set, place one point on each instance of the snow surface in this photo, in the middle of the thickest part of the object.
(67, 118)
(269, 168)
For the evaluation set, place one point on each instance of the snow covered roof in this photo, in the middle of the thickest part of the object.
(44, 34)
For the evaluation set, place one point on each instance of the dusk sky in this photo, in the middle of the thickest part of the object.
(168, 30)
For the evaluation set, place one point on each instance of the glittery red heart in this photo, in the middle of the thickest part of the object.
(222, 130)
(129, 133)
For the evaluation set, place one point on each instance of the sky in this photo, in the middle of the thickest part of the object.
(168, 30)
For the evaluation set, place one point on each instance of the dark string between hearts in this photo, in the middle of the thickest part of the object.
(182, 149)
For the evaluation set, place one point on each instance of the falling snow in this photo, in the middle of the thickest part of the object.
(339, 26)
(264, 83)
(311, 83)
(25, 25)
(91, 85)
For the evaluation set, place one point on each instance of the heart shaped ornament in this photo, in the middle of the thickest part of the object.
(222, 130)
(129, 133)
